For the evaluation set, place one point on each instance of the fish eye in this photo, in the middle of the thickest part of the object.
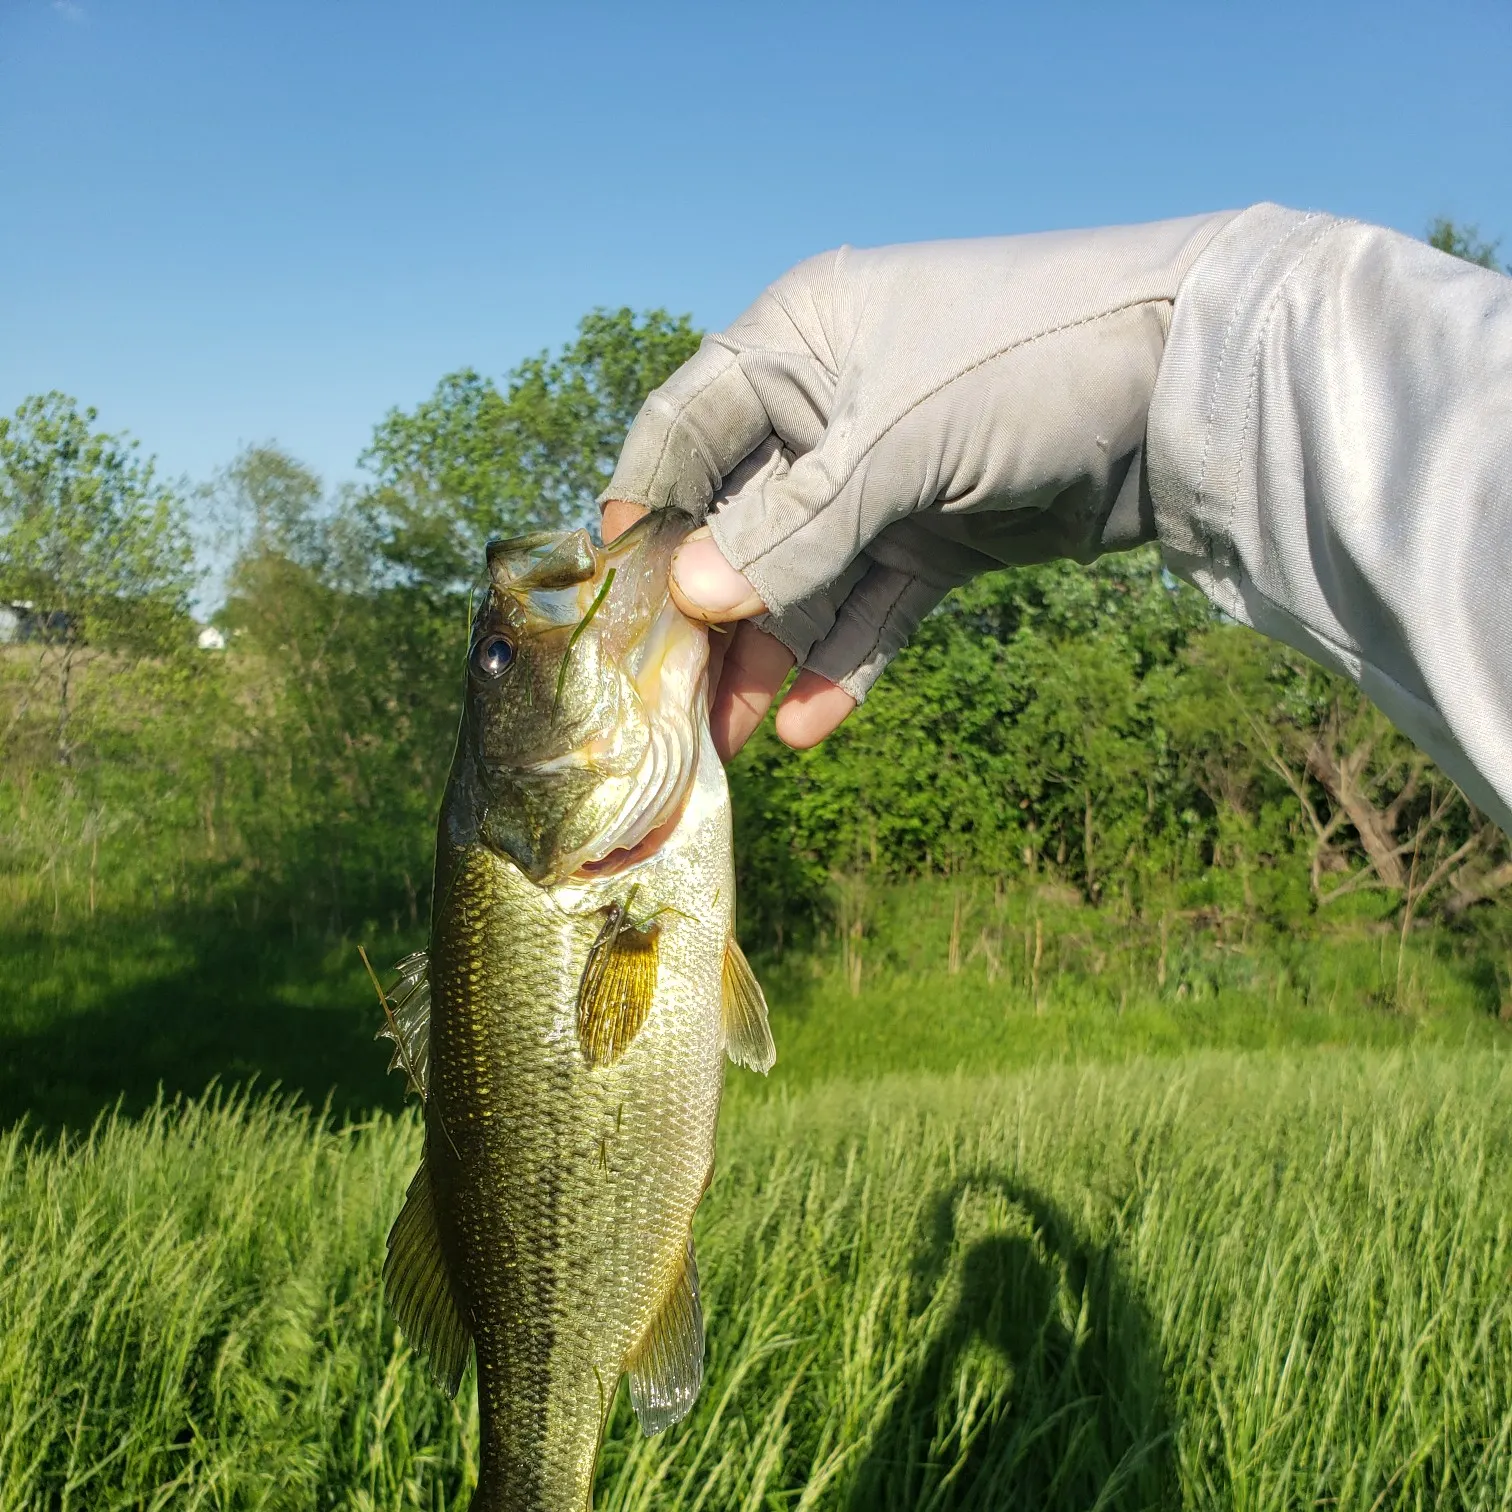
(493, 656)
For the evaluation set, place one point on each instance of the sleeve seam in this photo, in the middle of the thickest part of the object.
(1253, 387)
(1230, 328)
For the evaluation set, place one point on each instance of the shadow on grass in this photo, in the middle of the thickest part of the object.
(112, 1013)
(1042, 1385)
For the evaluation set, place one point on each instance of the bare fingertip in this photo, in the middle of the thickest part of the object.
(813, 710)
(617, 517)
(705, 586)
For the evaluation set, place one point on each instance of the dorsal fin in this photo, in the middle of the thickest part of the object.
(748, 1036)
(666, 1370)
(418, 1287)
(617, 987)
(407, 1022)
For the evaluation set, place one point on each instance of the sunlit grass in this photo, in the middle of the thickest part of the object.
(955, 976)
(941, 976)
(1256, 1281)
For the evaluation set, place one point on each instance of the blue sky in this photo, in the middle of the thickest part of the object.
(228, 222)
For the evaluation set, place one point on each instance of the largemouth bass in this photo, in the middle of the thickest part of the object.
(568, 1026)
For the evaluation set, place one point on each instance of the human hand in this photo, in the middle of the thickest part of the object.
(746, 665)
(883, 425)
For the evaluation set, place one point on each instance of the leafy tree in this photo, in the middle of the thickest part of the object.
(471, 461)
(346, 708)
(1022, 732)
(1097, 728)
(90, 537)
(1463, 241)
(1369, 810)
(271, 504)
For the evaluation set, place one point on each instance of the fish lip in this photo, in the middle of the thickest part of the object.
(658, 773)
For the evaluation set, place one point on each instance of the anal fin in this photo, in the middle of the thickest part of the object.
(666, 1370)
(748, 1036)
(418, 1287)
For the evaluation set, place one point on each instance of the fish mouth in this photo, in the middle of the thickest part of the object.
(637, 771)
(668, 669)
(626, 856)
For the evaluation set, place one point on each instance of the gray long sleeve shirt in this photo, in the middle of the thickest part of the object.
(1329, 452)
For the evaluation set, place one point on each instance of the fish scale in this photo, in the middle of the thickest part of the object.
(570, 1112)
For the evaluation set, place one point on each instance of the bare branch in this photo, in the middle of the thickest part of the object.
(1479, 889)
(1448, 864)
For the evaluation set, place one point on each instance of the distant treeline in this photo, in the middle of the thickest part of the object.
(1097, 728)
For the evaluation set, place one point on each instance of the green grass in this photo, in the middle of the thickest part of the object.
(107, 1011)
(1196, 1212)
(1249, 1281)
(1107, 987)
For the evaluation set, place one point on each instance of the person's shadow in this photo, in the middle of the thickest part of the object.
(1041, 1385)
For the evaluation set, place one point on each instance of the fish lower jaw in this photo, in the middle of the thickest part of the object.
(623, 857)
(657, 798)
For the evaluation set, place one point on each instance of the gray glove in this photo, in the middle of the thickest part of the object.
(883, 425)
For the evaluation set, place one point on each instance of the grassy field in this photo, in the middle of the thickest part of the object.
(1226, 1281)
(995, 1234)
(1038, 977)
(114, 1010)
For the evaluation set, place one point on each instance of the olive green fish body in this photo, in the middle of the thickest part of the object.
(568, 1190)
(572, 1063)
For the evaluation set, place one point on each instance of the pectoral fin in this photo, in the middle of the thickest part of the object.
(748, 1036)
(418, 1287)
(407, 1021)
(666, 1371)
(618, 984)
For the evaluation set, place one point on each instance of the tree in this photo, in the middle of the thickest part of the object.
(1464, 242)
(471, 461)
(346, 697)
(269, 504)
(91, 538)
(1375, 813)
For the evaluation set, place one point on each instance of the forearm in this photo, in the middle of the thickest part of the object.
(1330, 460)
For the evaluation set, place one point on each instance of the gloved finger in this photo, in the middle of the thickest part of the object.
(797, 526)
(755, 667)
(802, 625)
(812, 709)
(872, 626)
(769, 373)
(706, 587)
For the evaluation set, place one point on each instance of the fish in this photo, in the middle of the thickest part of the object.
(568, 1026)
